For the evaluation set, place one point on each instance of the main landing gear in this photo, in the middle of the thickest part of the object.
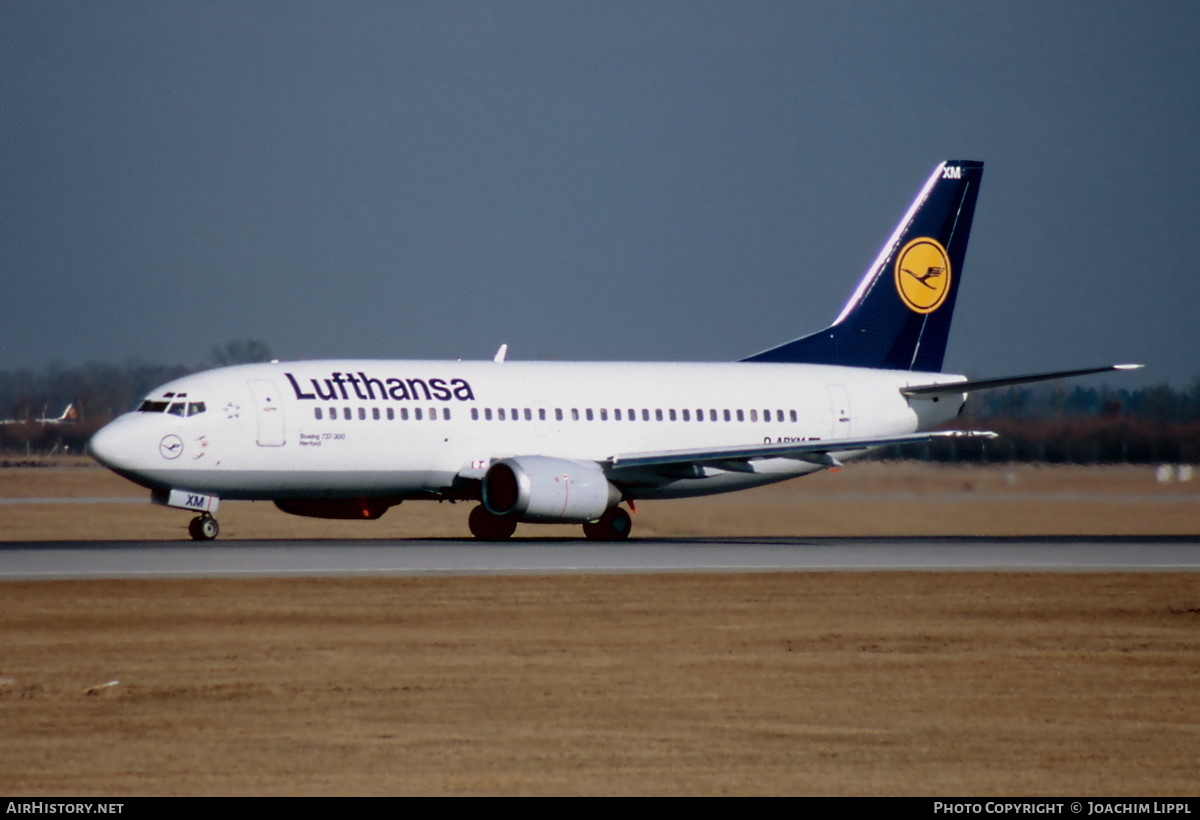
(489, 527)
(203, 528)
(614, 525)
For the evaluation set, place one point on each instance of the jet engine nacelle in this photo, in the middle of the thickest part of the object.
(548, 490)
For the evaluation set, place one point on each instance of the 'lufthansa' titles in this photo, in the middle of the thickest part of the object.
(347, 386)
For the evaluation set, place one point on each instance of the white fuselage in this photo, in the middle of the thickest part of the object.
(427, 429)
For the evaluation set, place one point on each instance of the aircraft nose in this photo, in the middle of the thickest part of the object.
(100, 445)
(109, 445)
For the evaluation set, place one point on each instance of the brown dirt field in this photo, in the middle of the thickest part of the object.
(944, 684)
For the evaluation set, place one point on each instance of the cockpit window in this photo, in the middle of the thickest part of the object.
(174, 408)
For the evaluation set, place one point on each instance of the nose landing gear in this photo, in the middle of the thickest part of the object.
(203, 528)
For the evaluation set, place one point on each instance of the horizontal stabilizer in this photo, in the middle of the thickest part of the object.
(952, 388)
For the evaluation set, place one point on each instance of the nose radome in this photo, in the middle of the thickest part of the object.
(99, 446)
(110, 444)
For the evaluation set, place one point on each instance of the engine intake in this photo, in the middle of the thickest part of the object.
(548, 490)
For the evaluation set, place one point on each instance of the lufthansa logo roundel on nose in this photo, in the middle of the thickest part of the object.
(170, 447)
(923, 274)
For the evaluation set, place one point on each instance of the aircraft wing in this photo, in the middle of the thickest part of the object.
(736, 458)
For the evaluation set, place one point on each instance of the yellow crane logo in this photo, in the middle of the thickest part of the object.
(923, 274)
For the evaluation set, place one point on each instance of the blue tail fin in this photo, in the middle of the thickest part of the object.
(899, 316)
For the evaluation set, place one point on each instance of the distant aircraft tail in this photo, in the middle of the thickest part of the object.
(69, 416)
(899, 316)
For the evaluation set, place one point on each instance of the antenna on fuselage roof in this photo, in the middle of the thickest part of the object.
(500, 354)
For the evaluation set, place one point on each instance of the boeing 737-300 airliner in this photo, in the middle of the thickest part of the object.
(568, 442)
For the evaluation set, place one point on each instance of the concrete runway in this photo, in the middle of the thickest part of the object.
(230, 559)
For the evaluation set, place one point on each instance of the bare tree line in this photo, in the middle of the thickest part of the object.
(98, 391)
(1061, 425)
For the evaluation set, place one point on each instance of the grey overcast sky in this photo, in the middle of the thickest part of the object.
(588, 180)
